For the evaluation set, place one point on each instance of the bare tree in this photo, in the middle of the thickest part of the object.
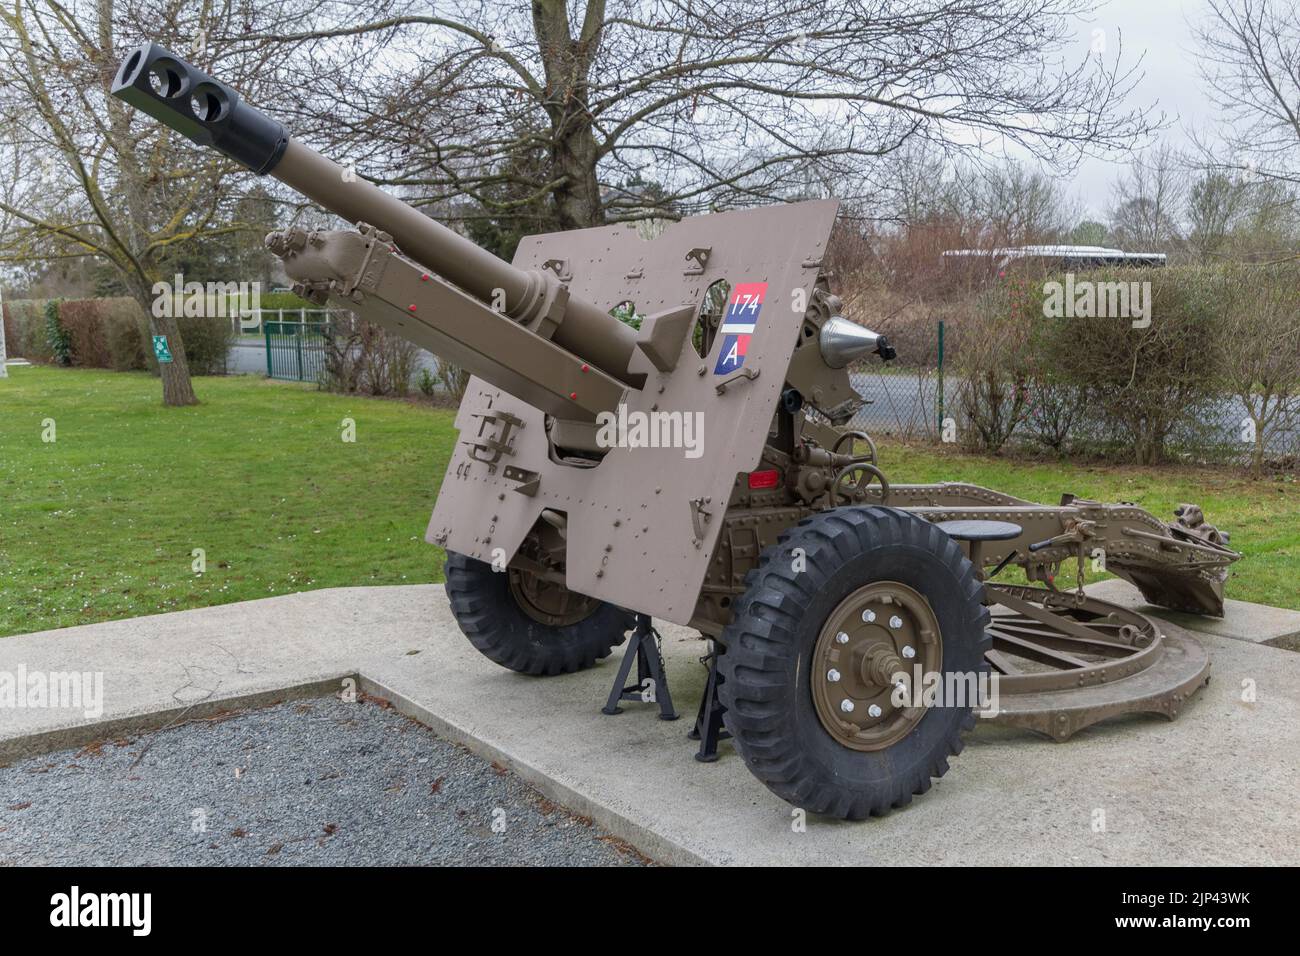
(1261, 355)
(608, 110)
(936, 204)
(1148, 201)
(1250, 59)
(1215, 204)
(1016, 205)
(1235, 218)
(90, 177)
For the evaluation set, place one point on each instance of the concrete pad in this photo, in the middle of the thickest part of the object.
(1215, 786)
(1242, 621)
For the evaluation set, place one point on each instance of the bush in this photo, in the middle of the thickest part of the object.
(391, 360)
(1055, 407)
(207, 343)
(110, 333)
(1096, 381)
(994, 366)
(84, 323)
(361, 357)
(9, 321)
(127, 335)
(287, 301)
(83, 330)
(1219, 360)
(1142, 383)
(1260, 348)
(56, 336)
(29, 320)
(454, 379)
(105, 333)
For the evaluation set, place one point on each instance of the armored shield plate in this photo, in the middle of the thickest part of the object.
(642, 524)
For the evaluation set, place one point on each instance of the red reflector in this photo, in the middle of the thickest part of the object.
(764, 479)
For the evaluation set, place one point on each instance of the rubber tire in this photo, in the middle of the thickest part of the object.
(766, 691)
(488, 615)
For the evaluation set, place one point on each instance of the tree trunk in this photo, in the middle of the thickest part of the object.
(177, 388)
(577, 200)
(175, 375)
(176, 385)
(567, 62)
(1150, 449)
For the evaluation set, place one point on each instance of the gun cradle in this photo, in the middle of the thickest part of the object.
(362, 271)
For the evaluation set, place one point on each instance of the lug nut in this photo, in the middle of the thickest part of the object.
(846, 706)
(874, 710)
(868, 616)
(841, 638)
(909, 651)
(895, 622)
(832, 675)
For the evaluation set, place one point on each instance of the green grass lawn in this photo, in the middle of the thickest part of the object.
(1263, 516)
(102, 522)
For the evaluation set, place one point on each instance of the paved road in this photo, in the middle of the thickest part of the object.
(317, 782)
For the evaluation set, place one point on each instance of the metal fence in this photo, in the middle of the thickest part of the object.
(295, 351)
(912, 402)
(901, 403)
(253, 321)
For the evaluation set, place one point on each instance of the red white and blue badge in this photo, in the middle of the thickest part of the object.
(738, 325)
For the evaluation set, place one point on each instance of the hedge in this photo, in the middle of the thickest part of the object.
(9, 321)
(110, 333)
(104, 333)
(1120, 385)
(25, 330)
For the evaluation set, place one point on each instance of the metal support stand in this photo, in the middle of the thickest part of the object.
(708, 722)
(651, 685)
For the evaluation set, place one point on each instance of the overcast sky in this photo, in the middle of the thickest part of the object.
(1160, 32)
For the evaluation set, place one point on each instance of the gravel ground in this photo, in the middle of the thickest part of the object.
(318, 782)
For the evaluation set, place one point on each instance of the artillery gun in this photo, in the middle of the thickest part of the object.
(833, 596)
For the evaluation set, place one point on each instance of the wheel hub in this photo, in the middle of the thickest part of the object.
(549, 602)
(867, 650)
(880, 665)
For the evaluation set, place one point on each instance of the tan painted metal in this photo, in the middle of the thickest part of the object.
(536, 484)
(1174, 565)
(1064, 662)
(585, 330)
(862, 664)
(643, 523)
(363, 272)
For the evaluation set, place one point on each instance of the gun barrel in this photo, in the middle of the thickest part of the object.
(425, 240)
(211, 113)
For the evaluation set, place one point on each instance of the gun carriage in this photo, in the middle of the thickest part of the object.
(830, 592)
